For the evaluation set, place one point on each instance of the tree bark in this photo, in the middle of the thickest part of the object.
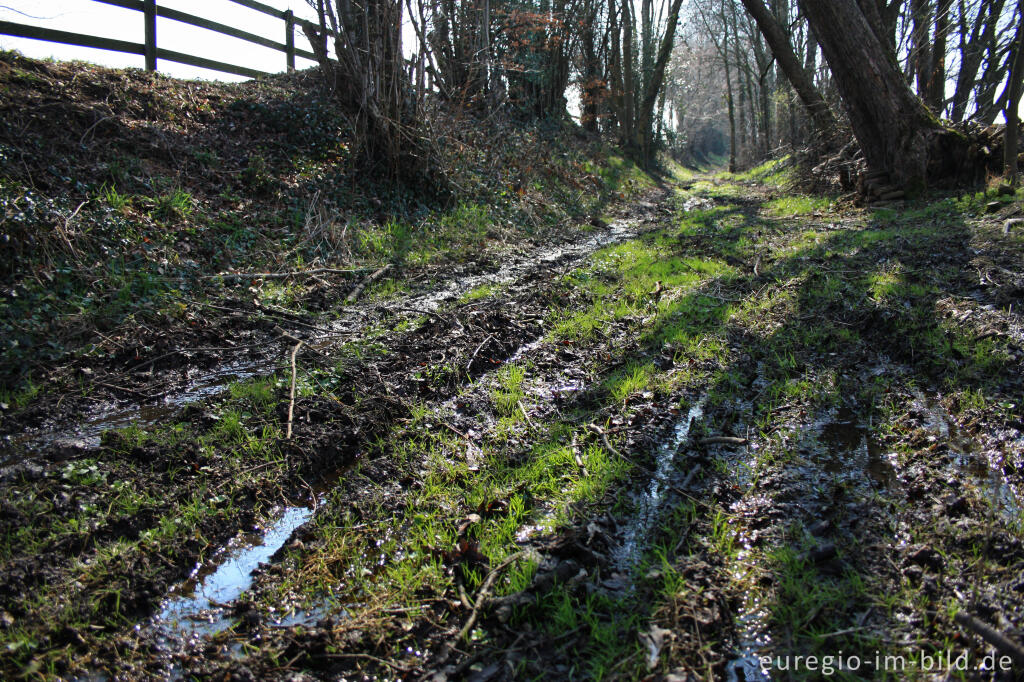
(893, 127)
(920, 46)
(935, 94)
(629, 93)
(799, 78)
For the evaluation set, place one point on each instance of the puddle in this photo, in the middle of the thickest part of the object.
(519, 266)
(200, 606)
(86, 430)
(92, 425)
(968, 458)
(993, 484)
(648, 503)
(848, 450)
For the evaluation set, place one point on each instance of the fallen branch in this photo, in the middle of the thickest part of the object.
(723, 440)
(357, 292)
(129, 391)
(522, 408)
(992, 636)
(282, 275)
(607, 444)
(291, 401)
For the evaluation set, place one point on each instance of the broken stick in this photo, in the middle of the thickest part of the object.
(485, 591)
(992, 636)
(723, 440)
(291, 401)
(357, 292)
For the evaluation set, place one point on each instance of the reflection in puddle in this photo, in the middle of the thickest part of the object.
(310, 616)
(199, 605)
(848, 449)
(989, 478)
(648, 504)
(519, 266)
(753, 626)
(968, 458)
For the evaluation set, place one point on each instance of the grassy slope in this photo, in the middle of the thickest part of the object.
(125, 195)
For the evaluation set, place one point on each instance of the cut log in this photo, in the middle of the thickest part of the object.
(890, 196)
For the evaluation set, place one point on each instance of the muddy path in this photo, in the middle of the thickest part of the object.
(239, 338)
(736, 429)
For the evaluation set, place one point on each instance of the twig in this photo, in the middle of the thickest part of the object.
(81, 143)
(291, 402)
(522, 409)
(992, 636)
(723, 440)
(473, 357)
(484, 592)
(129, 391)
(354, 295)
(607, 444)
(368, 657)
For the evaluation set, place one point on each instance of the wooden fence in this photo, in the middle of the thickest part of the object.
(150, 11)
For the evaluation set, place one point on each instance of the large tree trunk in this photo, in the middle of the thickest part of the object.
(920, 47)
(628, 87)
(1013, 99)
(798, 77)
(729, 102)
(895, 130)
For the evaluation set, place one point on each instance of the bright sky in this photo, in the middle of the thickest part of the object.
(98, 19)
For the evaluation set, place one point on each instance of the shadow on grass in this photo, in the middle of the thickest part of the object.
(814, 316)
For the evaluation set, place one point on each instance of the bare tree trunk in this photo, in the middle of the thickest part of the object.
(730, 104)
(798, 76)
(370, 83)
(920, 45)
(935, 94)
(982, 32)
(628, 87)
(657, 79)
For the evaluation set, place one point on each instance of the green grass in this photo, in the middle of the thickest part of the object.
(796, 205)
(479, 293)
(507, 397)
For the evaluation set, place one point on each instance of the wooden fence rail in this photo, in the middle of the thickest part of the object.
(150, 11)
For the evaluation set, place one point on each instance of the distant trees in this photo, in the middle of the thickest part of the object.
(891, 70)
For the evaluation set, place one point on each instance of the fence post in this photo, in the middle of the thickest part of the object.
(289, 38)
(149, 11)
